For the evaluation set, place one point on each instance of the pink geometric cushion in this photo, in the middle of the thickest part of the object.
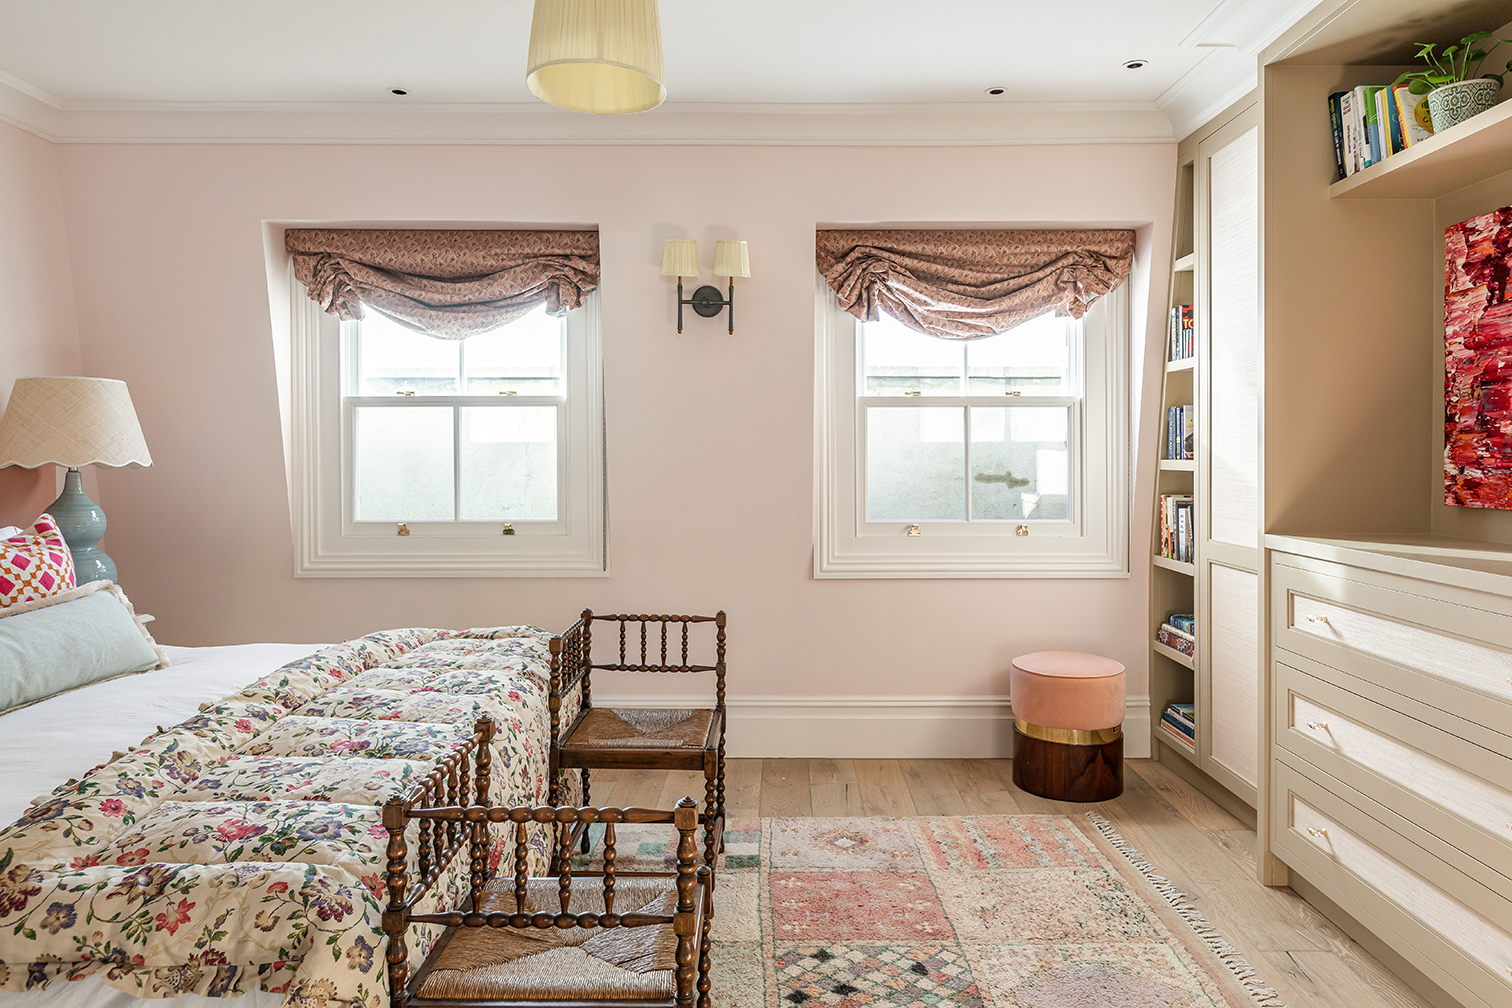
(1067, 689)
(35, 564)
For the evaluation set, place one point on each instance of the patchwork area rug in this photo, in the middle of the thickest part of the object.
(1017, 911)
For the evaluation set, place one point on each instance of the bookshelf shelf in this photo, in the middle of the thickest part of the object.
(1178, 465)
(1174, 655)
(1186, 263)
(1190, 570)
(1468, 153)
(1177, 746)
(1186, 364)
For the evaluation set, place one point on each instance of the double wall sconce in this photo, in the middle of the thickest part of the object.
(680, 259)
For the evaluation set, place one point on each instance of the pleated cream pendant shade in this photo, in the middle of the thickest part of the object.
(598, 56)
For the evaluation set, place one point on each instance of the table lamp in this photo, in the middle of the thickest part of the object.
(74, 422)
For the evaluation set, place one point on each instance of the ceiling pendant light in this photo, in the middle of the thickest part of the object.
(597, 56)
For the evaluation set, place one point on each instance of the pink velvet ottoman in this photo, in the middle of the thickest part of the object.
(1068, 711)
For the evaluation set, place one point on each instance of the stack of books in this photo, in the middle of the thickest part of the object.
(1372, 123)
(1179, 723)
(1177, 640)
(1183, 328)
(1178, 532)
(1179, 423)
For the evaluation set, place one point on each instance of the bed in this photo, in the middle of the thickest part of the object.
(216, 830)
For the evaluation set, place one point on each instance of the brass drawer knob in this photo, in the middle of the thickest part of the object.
(403, 529)
(1318, 725)
(1317, 832)
(914, 530)
(1318, 619)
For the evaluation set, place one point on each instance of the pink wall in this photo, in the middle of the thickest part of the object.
(38, 335)
(710, 437)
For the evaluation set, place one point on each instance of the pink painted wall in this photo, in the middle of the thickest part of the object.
(38, 334)
(710, 437)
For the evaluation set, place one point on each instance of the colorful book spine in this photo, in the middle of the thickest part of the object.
(1412, 111)
(1178, 721)
(1176, 640)
(1336, 120)
(1347, 121)
(1177, 527)
(1185, 622)
(1371, 124)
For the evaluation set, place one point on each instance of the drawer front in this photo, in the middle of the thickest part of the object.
(1446, 794)
(1444, 652)
(1446, 925)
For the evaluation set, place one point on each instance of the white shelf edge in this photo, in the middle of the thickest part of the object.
(1174, 655)
(1185, 364)
(1178, 465)
(1190, 570)
(1189, 753)
(1185, 264)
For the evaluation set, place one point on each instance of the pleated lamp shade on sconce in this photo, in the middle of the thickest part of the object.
(732, 259)
(603, 57)
(680, 257)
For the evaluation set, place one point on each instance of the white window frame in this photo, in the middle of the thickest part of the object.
(328, 543)
(1092, 543)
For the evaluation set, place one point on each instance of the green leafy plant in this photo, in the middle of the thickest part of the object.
(1456, 63)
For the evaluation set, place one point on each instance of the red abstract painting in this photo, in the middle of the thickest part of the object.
(1478, 362)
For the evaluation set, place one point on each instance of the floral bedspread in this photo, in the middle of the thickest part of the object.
(244, 847)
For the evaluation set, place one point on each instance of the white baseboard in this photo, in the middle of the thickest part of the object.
(879, 727)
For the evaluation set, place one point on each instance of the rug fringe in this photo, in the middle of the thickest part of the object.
(1262, 995)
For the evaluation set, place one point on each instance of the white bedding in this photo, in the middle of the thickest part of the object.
(47, 743)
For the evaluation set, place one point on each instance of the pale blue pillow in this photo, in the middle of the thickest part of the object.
(57, 644)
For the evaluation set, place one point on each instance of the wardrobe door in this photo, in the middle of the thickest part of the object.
(1228, 454)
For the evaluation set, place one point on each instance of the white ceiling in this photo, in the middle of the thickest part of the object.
(110, 54)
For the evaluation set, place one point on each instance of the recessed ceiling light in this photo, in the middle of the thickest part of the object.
(997, 90)
(1135, 64)
(398, 91)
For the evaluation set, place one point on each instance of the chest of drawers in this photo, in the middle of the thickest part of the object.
(1391, 754)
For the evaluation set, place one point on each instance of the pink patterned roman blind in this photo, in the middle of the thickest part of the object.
(970, 284)
(447, 284)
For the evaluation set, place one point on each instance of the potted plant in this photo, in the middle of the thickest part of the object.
(1455, 87)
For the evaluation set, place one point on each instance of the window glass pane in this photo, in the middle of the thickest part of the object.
(404, 463)
(898, 360)
(509, 463)
(393, 359)
(1034, 358)
(524, 357)
(914, 463)
(1020, 463)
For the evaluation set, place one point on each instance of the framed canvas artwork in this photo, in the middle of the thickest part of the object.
(1478, 362)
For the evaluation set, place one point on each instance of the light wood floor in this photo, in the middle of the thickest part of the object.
(1195, 843)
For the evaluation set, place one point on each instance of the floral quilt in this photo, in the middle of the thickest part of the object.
(244, 847)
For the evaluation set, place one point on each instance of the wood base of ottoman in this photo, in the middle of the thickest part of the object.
(1067, 772)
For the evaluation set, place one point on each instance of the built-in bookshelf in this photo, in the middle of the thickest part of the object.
(1172, 590)
(1213, 573)
(1353, 418)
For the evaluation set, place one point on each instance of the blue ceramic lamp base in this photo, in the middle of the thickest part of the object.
(82, 523)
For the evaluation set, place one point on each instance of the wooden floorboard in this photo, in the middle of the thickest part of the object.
(1200, 847)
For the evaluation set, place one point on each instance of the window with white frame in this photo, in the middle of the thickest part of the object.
(431, 457)
(1004, 456)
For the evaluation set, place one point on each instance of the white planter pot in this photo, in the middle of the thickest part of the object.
(1452, 104)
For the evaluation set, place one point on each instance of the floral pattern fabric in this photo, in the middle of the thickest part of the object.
(447, 284)
(970, 284)
(243, 848)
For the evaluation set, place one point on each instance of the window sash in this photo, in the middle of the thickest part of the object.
(981, 526)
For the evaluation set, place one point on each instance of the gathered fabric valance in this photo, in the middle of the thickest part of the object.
(970, 284)
(447, 284)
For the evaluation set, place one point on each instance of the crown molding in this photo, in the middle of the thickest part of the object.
(943, 124)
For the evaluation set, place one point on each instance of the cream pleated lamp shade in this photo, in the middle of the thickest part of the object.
(732, 259)
(680, 257)
(598, 56)
(71, 422)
